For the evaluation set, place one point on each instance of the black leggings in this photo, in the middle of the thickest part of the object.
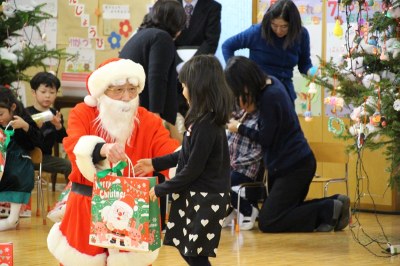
(197, 261)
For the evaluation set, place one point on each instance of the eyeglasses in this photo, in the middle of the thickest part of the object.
(282, 27)
(119, 91)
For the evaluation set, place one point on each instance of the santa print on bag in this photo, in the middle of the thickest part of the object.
(120, 213)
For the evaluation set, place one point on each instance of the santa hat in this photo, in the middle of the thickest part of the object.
(110, 72)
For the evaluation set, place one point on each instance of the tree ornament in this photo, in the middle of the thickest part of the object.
(360, 140)
(396, 105)
(5, 54)
(8, 9)
(313, 88)
(338, 130)
(375, 119)
(383, 121)
(307, 116)
(337, 30)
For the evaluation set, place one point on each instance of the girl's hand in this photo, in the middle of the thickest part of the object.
(114, 152)
(232, 125)
(143, 167)
(152, 194)
(18, 122)
(56, 121)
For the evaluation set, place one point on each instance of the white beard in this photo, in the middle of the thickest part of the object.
(116, 119)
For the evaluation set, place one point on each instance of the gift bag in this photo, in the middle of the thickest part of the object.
(57, 212)
(6, 254)
(122, 215)
(5, 136)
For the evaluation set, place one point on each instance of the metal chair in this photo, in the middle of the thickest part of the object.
(333, 153)
(260, 182)
(37, 158)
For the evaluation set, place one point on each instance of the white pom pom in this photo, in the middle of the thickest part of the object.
(90, 101)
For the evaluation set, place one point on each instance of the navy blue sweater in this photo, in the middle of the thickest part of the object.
(279, 134)
(272, 59)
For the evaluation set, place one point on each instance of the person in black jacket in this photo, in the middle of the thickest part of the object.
(153, 47)
(200, 188)
(44, 87)
(202, 33)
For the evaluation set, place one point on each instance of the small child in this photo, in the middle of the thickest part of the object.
(246, 162)
(18, 177)
(44, 87)
(200, 188)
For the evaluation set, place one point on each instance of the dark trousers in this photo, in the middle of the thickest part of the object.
(285, 209)
(246, 206)
(55, 165)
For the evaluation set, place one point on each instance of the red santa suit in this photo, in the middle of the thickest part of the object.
(68, 240)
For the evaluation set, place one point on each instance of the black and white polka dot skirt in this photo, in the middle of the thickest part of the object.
(195, 222)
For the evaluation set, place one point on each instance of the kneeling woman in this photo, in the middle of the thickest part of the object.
(287, 156)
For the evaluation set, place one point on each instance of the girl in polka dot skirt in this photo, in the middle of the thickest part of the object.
(200, 188)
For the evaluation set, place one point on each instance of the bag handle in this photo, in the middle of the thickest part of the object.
(118, 169)
(130, 164)
(9, 133)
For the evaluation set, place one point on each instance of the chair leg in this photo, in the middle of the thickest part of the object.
(166, 208)
(237, 224)
(38, 189)
(40, 199)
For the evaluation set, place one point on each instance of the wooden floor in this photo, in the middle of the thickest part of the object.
(244, 248)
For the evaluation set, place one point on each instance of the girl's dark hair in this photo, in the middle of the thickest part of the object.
(7, 99)
(208, 91)
(245, 78)
(286, 10)
(45, 78)
(167, 15)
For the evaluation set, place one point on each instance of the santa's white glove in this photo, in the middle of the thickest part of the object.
(114, 152)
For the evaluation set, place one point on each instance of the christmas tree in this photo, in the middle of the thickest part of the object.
(17, 51)
(367, 79)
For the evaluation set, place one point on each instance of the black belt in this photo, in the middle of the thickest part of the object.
(82, 189)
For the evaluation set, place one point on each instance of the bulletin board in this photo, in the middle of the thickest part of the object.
(93, 31)
(103, 26)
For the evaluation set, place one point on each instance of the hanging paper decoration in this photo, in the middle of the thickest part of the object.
(339, 126)
(125, 28)
(114, 40)
(337, 30)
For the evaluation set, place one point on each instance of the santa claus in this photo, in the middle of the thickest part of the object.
(105, 129)
(117, 218)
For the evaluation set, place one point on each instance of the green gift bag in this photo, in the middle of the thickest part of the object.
(5, 137)
(122, 215)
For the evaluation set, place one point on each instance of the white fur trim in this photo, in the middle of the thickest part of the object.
(104, 76)
(67, 255)
(116, 258)
(83, 151)
(90, 101)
